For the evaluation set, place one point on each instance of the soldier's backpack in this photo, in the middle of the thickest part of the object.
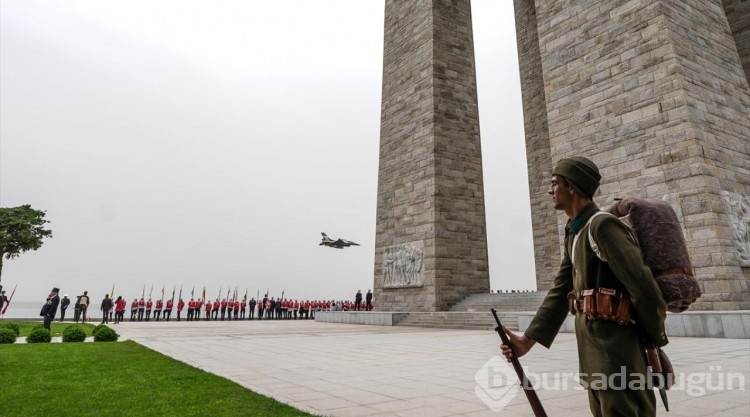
(658, 233)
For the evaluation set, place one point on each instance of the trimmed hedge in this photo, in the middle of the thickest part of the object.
(106, 334)
(12, 326)
(39, 335)
(73, 334)
(7, 336)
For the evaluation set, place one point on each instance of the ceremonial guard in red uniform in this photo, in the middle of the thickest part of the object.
(168, 309)
(141, 308)
(208, 310)
(133, 309)
(180, 306)
(149, 305)
(157, 309)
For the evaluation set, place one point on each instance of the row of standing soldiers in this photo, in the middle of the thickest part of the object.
(268, 308)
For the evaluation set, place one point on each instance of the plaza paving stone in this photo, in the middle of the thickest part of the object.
(353, 370)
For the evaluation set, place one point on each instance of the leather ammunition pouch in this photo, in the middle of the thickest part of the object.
(602, 304)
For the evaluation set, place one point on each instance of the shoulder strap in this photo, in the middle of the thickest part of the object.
(575, 238)
(595, 246)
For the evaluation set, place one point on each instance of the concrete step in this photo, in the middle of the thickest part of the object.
(459, 320)
(501, 302)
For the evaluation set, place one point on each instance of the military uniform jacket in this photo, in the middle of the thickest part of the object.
(604, 347)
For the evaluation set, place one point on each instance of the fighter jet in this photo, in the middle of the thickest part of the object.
(338, 243)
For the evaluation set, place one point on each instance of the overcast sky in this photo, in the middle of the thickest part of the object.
(201, 143)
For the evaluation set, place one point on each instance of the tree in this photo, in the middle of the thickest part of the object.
(21, 229)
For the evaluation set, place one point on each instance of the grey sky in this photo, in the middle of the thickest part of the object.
(202, 143)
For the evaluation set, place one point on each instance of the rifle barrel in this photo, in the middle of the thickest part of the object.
(528, 388)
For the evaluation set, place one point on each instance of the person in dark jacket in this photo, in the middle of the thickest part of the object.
(357, 300)
(105, 307)
(50, 307)
(610, 352)
(64, 303)
(368, 301)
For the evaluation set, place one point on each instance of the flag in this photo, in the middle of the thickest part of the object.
(173, 289)
(192, 292)
(219, 296)
(234, 298)
(162, 293)
(151, 292)
(244, 299)
(228, 291)
(9, 300)
(143, 294)
(180, 298)
(203, 296)
(112, 293)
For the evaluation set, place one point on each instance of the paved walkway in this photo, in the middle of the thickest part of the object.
(354, 370)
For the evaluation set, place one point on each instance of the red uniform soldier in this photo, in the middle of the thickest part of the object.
(157, 309)
(180, 306)
(208, 310)
(141, 308)
(149, 304)
(133, 309)
(223, 306)
(168, 309)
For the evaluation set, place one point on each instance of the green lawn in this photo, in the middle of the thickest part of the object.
(118, 379)
(55, 327)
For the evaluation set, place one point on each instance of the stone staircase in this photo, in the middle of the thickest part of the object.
(474, 312)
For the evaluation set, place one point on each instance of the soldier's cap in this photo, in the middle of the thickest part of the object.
(582, 173)
(55, 289)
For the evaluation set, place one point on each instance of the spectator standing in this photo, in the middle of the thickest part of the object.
(83, 305)
(357, 300)
(64, 303)
(120, 306)
(50, 307)
(105, 307)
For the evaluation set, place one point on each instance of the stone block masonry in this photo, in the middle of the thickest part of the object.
(655, 93)
(430, 249)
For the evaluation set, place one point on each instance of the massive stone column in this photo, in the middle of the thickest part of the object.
(430, 249)
(655, 93)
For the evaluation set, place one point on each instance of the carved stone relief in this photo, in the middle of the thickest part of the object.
(402, 266)
(739, 221)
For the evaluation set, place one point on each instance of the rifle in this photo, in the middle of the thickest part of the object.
(528, 389)
(655, 368)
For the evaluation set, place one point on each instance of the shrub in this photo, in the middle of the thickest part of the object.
(38, 326)
(73, 334)
(106, 334)
(97, 328)
(12, 326)
(7, 336)
(39, 335)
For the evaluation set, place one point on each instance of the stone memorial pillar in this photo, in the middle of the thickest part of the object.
(431, 246)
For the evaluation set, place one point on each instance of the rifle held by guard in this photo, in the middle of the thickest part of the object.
(528, 389)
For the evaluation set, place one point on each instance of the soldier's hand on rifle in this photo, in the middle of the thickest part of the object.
(521, 345)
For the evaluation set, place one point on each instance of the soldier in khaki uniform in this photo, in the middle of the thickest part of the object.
(605, 347)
